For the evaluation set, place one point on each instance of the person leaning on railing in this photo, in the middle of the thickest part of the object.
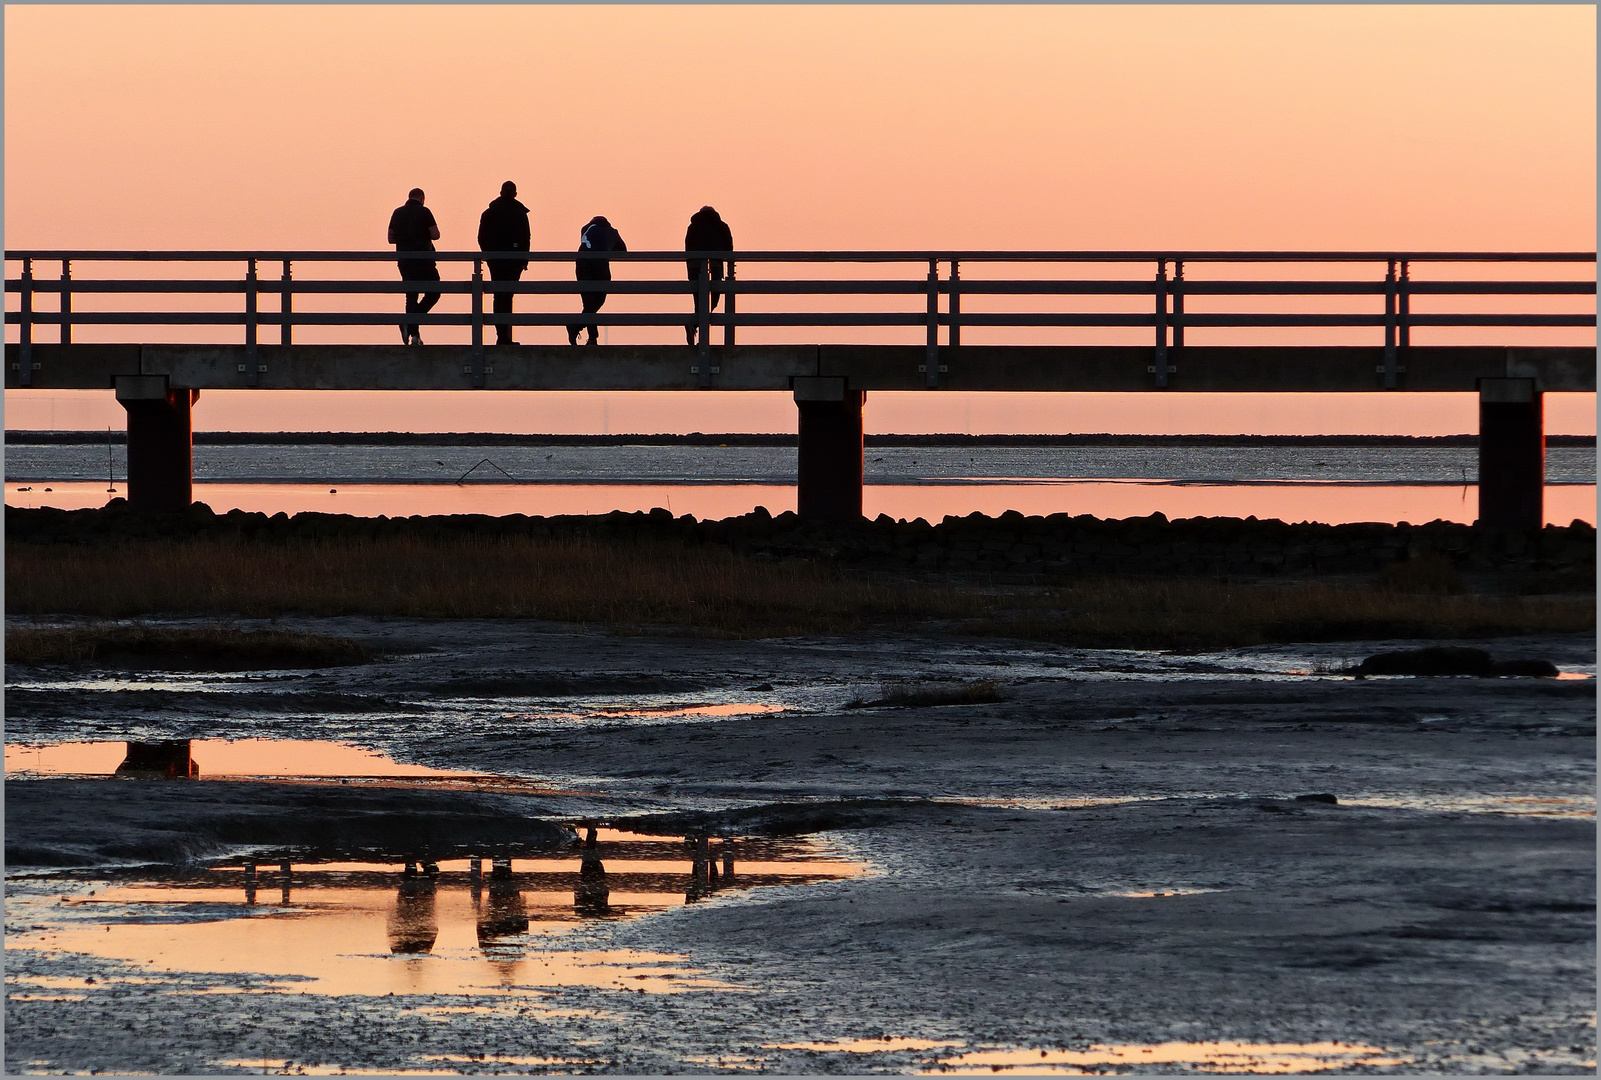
(412, 228)
(504, 227)
(598, 236)
(707, 232)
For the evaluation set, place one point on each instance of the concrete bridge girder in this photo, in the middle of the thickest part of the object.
(158, 384)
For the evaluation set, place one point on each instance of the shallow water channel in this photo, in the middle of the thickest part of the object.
(481, 926)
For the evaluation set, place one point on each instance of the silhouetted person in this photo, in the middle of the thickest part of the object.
(413, 925)
(592, 896)
(597, 236)
(504, 227)
(412, 228)
(707, 232)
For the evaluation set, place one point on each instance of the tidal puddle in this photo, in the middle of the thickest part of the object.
(1566, 806)
(464, 927)
(1210, 1057)
(214, 759)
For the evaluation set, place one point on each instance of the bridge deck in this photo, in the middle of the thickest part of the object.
(775, 367)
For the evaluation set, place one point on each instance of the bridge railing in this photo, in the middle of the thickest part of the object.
(1157, 282)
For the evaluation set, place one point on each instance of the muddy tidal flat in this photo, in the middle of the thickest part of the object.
(505, 846)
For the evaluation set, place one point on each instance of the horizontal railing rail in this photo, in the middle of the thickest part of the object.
(1161, 288)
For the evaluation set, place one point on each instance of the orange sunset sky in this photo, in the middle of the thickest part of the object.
(1060, 127)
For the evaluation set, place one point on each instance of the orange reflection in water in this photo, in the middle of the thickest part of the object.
(1213, 1057)
(1331, 503)
(223, 757)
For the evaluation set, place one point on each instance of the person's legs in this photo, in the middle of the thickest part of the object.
(503, 301)
(592, 304)
(411, 302)
(689, 329)
(427, 301)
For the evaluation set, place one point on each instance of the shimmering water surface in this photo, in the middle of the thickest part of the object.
(374, 929)
(1333, 484)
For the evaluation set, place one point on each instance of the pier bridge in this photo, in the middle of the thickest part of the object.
(1097, 321)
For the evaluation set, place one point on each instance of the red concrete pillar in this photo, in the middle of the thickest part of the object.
(160, 442)
(1511, 454)
(829, 470)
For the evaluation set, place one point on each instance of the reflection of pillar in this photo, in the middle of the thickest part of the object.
(500, 869)
(504, 914)
(589, 837)
(165, 760)
(699, 883)
(413, 925)
(728, 861)
(592, 897)
(1511, 454)
(160, 454)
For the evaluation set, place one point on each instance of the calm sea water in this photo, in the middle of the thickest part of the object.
(1294, 483)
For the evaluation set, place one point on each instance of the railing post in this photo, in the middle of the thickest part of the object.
(728, 306)
(1178, 304)
(478, 323)
(1389, 327)
(25, 327)
(286, 307)
(703, 319)
(251, 295)
(931, 361)
(1159, 368)
(1404, 305)
(66, 301)
(954, 335)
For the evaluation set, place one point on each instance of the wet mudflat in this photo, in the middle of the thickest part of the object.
(1107, 870)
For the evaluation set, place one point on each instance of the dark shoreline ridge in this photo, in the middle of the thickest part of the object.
(1555, 558)
(479, 438)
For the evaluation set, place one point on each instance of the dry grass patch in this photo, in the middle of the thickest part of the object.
(209, 647)
(709, 591)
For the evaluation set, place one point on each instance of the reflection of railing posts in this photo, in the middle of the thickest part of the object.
(25, 326)
(703, 320)
(1160, 366)
(730, 290)
(1178, 305)
(251, 363)
(286, 307)
(931, 362)
(478, 324)
(728, 861)
(66, 301)
(1389, 327)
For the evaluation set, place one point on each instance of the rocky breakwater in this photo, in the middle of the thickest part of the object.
(1437, 556)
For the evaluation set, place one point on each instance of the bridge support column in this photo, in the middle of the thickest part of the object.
(1511, 454)
(829, 473)
(160, 442)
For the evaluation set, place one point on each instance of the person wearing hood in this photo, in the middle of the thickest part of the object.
(597, 237)
(504, 227)
(707, 232)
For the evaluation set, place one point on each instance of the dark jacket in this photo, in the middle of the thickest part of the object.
(707, 232)
(504, 227)
(598, 235)
(411, 224)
